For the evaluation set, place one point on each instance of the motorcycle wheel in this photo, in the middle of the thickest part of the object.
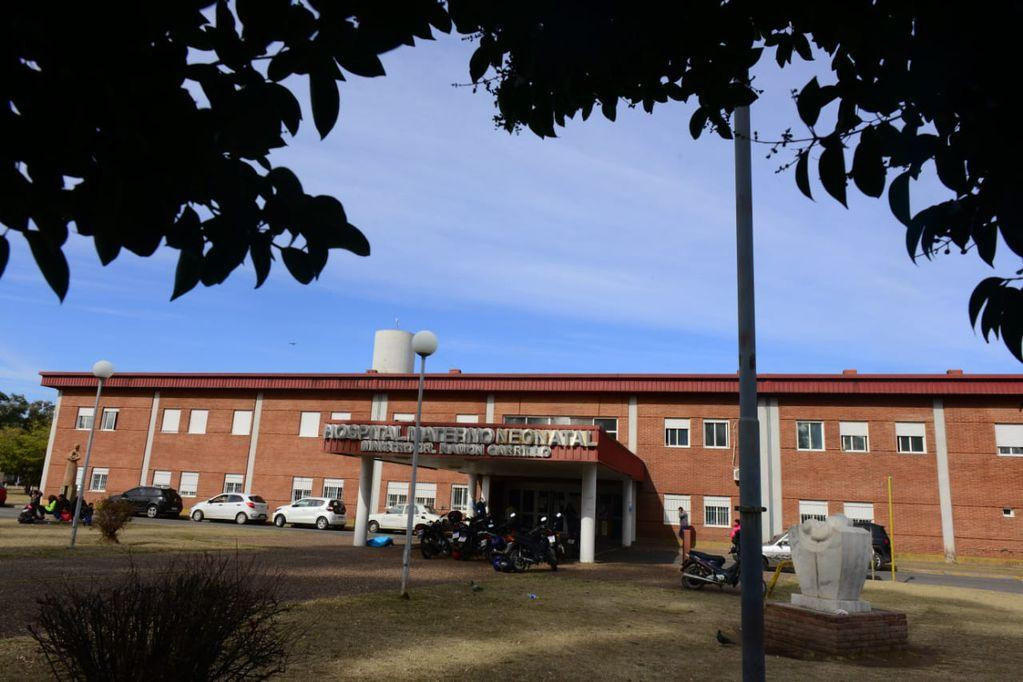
(696, 569)
(518, 562)
(428, 548)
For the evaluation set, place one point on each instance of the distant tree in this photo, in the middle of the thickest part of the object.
(24, 433)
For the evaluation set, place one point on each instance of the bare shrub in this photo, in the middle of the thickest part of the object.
(111, 515)
(205, 618)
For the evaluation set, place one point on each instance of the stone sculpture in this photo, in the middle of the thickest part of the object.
(831, 559)
(67, 487)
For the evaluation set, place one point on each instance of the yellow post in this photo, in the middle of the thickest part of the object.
(891, 527)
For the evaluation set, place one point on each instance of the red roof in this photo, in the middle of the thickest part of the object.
(768, 384)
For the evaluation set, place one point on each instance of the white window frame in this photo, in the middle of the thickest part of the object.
(467, 419)
(404, 416)
(340, 416)
(301, 486)
(165, 475)
(852, 430)
(83, 422)
(463, 492)
(717, 503)
(856, 511)
(810, 423)
(111, 412)
(671, 504)
(728, 433)
(338, 483)
(397, 493)
(234, 483)
(241, 423)
(171, 420)
(1009, 440)
(198, 420)
(813, 509)
(672, 427)
(309, 425)
(104, 474)
(910, 430)
(183, 487)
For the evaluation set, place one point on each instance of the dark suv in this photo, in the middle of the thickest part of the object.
(882, 545)
(153, 502)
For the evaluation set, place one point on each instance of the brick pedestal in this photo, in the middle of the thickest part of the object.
(794, 631)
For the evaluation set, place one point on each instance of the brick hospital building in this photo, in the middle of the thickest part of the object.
(626, 451)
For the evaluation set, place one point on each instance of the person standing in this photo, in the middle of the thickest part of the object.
(686, 532)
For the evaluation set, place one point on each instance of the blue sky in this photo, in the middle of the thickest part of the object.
(609, 249)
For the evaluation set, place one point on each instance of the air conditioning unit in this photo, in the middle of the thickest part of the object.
(735, 474)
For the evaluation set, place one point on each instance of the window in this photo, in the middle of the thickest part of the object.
(1009, 439)
(1008, 512)
(859, 511)
(340, 416)
(189, 484)
(715, 433)
(676, 434)
(855, 436)
(404, 417)
(161, 479)
(84, 420)
(813, 509)
(309, 425)
(397, 494)
(197, 421)
(79, 478)
(717, 511)
(333, 487)
(241, 425)
(910, 437)
(460, 497)
(671, 505)
(467, 419)
(171, 420)
(608, 424)
(109, 421)
(301, 487)
(426, 493)
(233, 483)
(98, 482)
(809, 435)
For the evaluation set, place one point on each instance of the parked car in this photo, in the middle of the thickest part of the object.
(396, 518)
(881, 543)
(152, 501)
(239, 507)
(323, 512)
(776, 551)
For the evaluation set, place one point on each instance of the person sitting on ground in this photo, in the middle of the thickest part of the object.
(87, 511)
(63, 507)
(51, 507)
(36, 504)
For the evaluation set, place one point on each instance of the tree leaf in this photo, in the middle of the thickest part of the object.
(698, 122)
(5, 253)
(898, 198)
(1012, 321)
(324, 99)
(803, 173)
(832, 168)
(868, 169)
(259, 252)
(990, 320)
(802, 46)
(608, 106)
(187, 273)
(808, 102)
(986, 238)
(362, 62)
(479, 62)
(51, 262)
(298, 264)
(980, 296)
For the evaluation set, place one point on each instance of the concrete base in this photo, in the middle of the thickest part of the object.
(831, 605)
(798, 632)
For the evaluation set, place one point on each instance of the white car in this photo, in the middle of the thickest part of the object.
(396, 518)
(237, 507)
(321, 512)
(776, 551)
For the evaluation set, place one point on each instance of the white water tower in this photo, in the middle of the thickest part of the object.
(392, 352)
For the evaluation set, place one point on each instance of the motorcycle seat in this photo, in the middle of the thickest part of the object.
(709, 558)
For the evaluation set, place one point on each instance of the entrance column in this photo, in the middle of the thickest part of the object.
(473, 480)
(588, 518)
(362, 505)
(627, 507)
(485, 491)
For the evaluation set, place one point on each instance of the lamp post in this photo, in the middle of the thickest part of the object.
(424, 344)
(102, 370)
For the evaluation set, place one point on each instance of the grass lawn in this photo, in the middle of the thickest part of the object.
(51, 539)
(580, 626)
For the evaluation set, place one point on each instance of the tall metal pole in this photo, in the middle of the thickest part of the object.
(411, 499)
(891, 528)
(85, 464)
(749, 428)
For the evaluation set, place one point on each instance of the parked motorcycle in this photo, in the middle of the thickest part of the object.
(536, 546)
(469, 539)
(701, 569)
(433, 539)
